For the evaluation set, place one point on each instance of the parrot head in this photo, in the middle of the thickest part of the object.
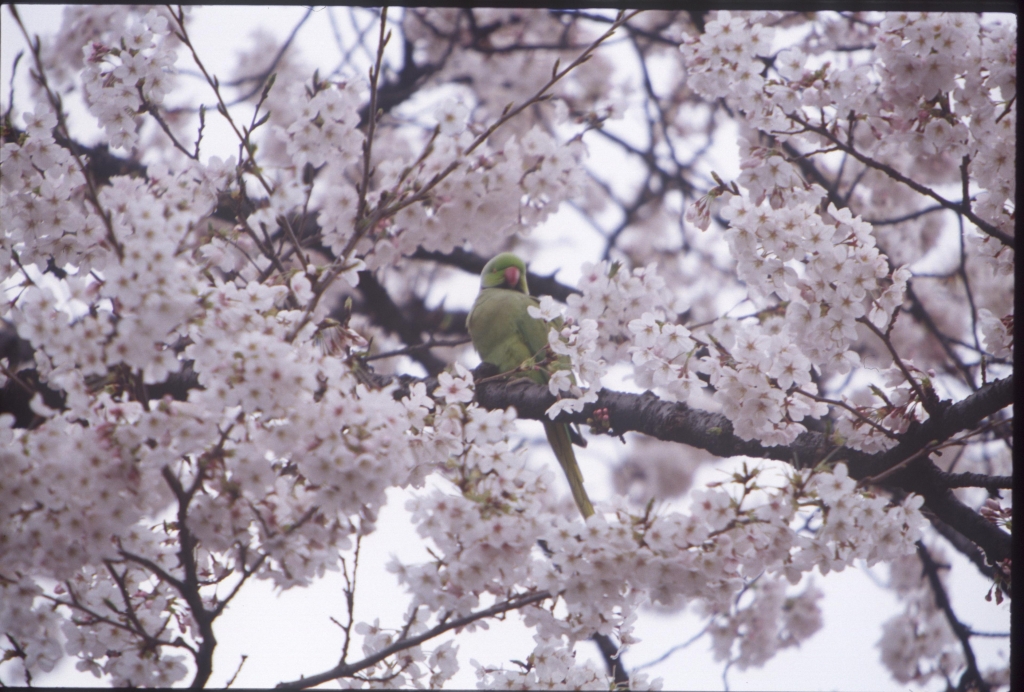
(505, 271)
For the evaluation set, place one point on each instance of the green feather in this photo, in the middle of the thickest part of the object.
(505, 335)
(558, 438)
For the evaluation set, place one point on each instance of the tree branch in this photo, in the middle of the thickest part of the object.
(612, 660)
(348, 669)
(963, 544)
(972, 679)
(674, 422)
(962, 207)
(975, 480)
(383, 310)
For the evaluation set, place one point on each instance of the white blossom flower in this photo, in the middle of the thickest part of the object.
(451, 116)
(453, 389)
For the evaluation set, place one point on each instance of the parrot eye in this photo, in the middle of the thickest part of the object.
(512, 276)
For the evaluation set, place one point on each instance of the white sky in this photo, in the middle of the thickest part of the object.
(287, 635)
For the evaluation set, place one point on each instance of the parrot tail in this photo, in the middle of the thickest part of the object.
(558, 437)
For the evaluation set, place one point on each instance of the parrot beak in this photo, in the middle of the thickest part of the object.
(512, 276)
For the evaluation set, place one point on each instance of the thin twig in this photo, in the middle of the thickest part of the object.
(386, 209)
(364, 221)
(261, 78)
(237, 671)
(371, 126)
(222, 106)
(962, 207)
(151, 108)
(348, 670)
(878, 478)
(417, 347)
(350, 594)
(677, 647)
(899, 363)
(76, 604)
(842, 404)
(510, 113)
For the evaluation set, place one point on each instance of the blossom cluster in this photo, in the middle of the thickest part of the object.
(32, 623)
(599, 326)
(762, 381)
(826, 270)
(64, 535)
(710, 554)
(267, 390)
(488, 196)
(280, 446)
(410, 667)
(998, 334)
(662, 354)
(486, 539)
(436, 199)
(96, 646)
(723, 60)
(576, 344)
(41, 206)
(259, 506)
(925, 108)
(126, 325)
(551, 666)
(586, 89)
(126, 72)
(771, 621)
(977, 80)
(918, 643)
(322, 134)
(614, 296)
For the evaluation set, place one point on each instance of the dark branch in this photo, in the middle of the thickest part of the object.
(974, 480)
(383, 310)
(612, 660)
(962, 544)
(962, 207)
(972, 679)
(349, 669)
(674, 422)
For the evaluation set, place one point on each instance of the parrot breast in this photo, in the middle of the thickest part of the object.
(503, 332)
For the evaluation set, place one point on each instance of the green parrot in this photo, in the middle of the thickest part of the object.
(505, 335)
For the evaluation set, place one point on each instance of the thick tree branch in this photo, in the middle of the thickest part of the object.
(974, 480)
(963, 544)
(924, 478)
(383, 310)
(674, 422)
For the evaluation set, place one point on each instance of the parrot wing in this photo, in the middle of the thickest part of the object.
(503, 332)
(505, 335)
